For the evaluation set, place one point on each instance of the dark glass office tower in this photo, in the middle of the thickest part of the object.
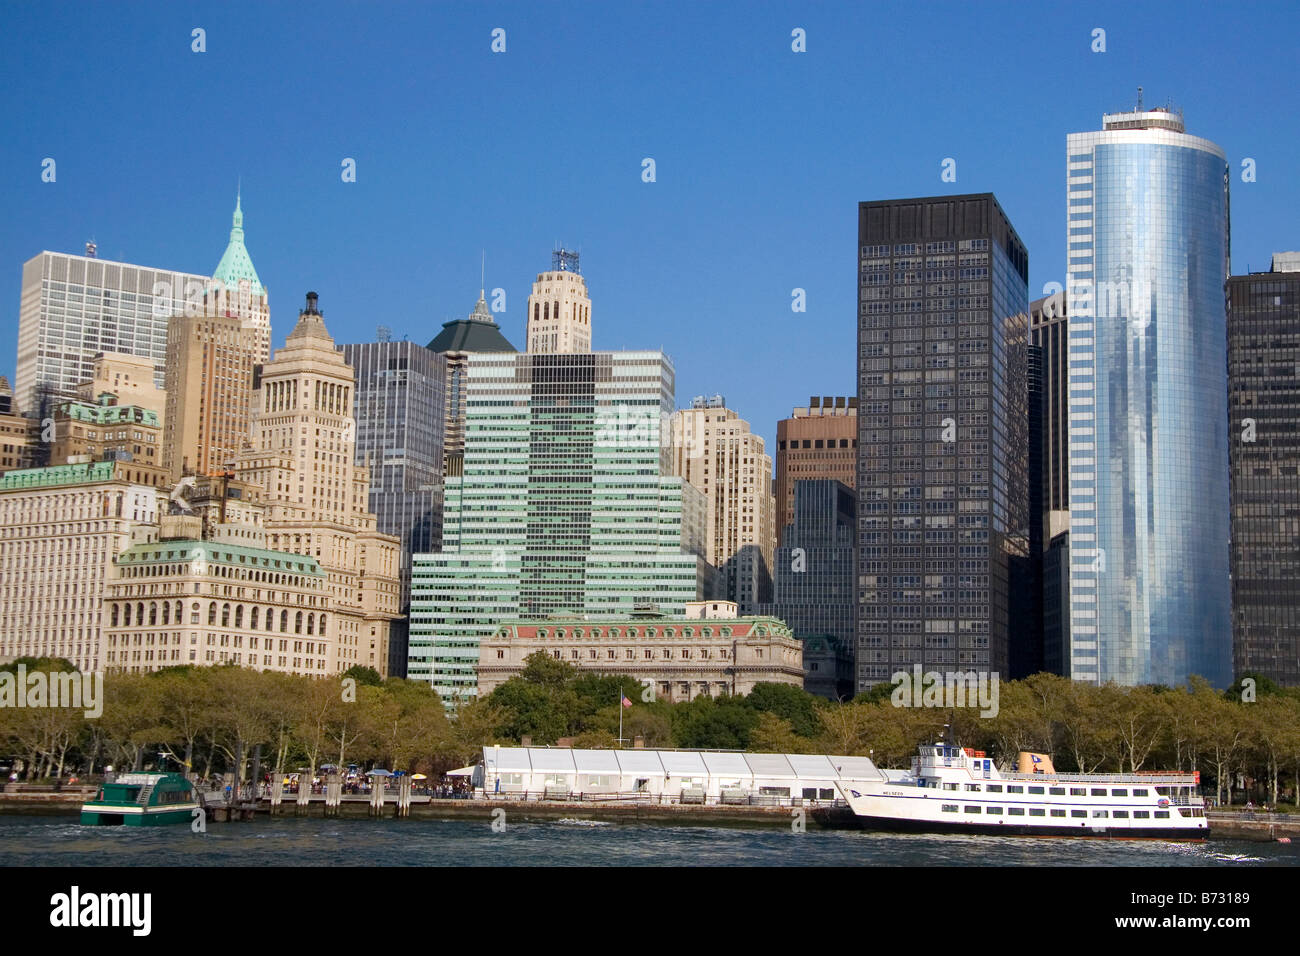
(812, 580)
(400, 410)
(1264, 450)
(943, 324)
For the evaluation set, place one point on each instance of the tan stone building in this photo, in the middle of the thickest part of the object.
(713, 448)
(682, 658)
(819, 441)
(181, 600)
(19, 436)
(60, 529)
(128, 377)
(301, 458)
(107, 431)
(559, 308)
(209, 367)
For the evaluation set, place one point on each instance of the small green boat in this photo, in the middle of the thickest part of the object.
(142, 800)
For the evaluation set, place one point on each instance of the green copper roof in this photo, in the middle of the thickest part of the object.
(215, 552)
(109, 414)
(57, 475)
(236, 266)
(477, 333)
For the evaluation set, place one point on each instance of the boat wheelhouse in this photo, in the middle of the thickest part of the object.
(952, 789)
(142, 800)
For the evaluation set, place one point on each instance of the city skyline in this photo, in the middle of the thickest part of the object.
(693, 238)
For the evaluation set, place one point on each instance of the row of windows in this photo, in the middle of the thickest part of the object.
(1042, 812)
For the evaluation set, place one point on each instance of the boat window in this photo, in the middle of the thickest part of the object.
(1163, 791)
(826, 793)
(950, 786)
(1015, 788)
(977, 810)
(1035, 789)
(1037, 812)
(997, 810)
(1120, 814)
(1058, 813)
(1119, 793)
(1099, 791)
(1078, 813)
(1016, 811)
(994, 788)
(973, 786)
(1141, 814)
(1099, 813)
(950, 808)
(1162, 814)
(1057, 791)
(1140, 792)
(1078, 791)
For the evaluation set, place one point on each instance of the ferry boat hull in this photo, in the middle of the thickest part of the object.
(102, 816)
(956, 790)
(142, 800)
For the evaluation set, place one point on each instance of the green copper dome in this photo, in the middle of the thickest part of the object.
(236, 266)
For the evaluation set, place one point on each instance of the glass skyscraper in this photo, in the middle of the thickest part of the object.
(1148, 258)
(943, 325)
(399, 410)
(566, 506)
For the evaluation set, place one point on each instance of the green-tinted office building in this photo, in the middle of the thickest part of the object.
(565, 507)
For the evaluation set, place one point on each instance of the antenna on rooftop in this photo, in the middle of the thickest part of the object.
(1139, 109)
(383, 333)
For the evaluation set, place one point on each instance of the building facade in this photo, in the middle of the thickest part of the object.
(813, 583)
(1149, 528)
(455, 343)
(75, 307)
(1264, 449)
(399, 409)
(682, 658)
(60, 529)
(209, 387)
(714, 450)
(566, 505)
(302, 460)
(106, 431)
(559, 308)
(942, 415)
(819, 441)
(1049, 330)
(129, 378)
(236, 292)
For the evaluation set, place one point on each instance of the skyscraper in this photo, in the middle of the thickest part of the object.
(302, 458)
(559, 308)
(1049, 330)
(812, 580)
(458, 340)
(713, 449)
(1264, 448)
(1148, 259)
(942, 415)
(210, 359)
(818, 441)
(74, 307)
(399, 409)
(566, 505)
(237, 292)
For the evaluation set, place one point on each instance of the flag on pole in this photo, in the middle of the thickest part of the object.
(626, 702)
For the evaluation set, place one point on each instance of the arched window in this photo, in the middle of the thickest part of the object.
(284, 622)
(297, 623)
(212, 612)
(167, 609)
(322, 625)
(139, 613)
(270, 618)
(311, 623)
(239, 615)
(153, 612)
(113, 617)
(252, 618)
(179, 612)
(225, 615)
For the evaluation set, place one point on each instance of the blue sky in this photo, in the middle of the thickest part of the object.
(762, 154)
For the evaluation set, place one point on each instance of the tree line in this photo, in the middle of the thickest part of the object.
(215, 719)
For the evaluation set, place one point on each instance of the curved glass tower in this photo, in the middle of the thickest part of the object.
(1148, 259)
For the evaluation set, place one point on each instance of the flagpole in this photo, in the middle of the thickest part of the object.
(620, 716)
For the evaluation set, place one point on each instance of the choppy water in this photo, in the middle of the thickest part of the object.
(304, 841)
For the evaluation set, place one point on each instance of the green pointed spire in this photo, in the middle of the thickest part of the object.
(235, 265)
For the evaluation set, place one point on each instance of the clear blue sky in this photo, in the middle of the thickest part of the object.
(762, 154)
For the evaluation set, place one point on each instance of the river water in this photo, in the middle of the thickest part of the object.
(48, 840)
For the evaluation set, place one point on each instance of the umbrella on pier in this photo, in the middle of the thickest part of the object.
(379, 773)
(418, 776)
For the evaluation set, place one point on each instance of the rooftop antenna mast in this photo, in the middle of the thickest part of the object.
(1139, 109)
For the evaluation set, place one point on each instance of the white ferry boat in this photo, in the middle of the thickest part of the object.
(958, 790)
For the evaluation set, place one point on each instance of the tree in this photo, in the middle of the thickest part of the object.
(363, 675)
(543, 669)
(794, 704)
(775, 735)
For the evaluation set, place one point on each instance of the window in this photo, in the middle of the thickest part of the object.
(1056, 791)
(1099, 813)
(1120, 814)
(1141, 814)
(1076, 814)
(1119, 793)
(1162, 814)
(1035, 789)
(973, 786)
(1015, 788)
(1058, 813)
(1016, 811)
(1139, 792)
(971, 809)
(1078, 791)
(994, 788)
(997, 810)
(950, 808)
(1039, 812)
(1099, 791)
